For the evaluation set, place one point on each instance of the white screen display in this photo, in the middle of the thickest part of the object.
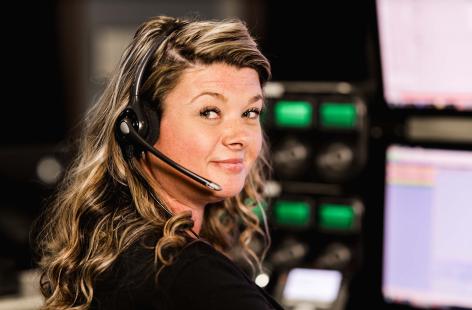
(426, 52)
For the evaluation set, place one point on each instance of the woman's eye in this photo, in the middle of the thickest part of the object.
(210, 113)
(252, 113)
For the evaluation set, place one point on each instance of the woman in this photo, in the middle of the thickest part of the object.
(128, 230)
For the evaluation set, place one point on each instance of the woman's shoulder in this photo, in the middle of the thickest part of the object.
(195, 254)
(197, 248)
(206, 279)
(199, 256)
(200, 267)
(134, 272)
(138, 262)
(200, 276)
(202, 255)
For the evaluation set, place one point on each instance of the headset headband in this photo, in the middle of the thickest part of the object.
(146, 59)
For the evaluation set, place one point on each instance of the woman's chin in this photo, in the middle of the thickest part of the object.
(228, 190)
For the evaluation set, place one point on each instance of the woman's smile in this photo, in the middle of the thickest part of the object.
(232, 165)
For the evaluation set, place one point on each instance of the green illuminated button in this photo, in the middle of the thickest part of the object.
(338, 115)
(292, 213)
(336, 216)
(293, 113)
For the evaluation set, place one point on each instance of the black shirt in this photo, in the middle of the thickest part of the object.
(200, 278)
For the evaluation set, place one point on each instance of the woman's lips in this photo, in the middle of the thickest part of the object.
(232, 165)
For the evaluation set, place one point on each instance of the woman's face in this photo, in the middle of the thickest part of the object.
(210, 125)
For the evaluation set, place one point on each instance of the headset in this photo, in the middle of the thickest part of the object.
(137, 127)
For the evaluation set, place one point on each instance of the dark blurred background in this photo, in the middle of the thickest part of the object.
(325, 55)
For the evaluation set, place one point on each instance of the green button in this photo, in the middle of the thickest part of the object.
(336, 216)
(292, 213)
(297, 114)
(338, 115)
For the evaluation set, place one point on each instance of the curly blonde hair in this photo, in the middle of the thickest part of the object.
(105, 203)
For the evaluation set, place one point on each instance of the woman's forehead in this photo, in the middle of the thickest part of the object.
(219, 78)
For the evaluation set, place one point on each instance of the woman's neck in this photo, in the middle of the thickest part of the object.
(178, 205)
(170, 194)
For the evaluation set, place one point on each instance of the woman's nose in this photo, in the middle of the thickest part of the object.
(235, 135)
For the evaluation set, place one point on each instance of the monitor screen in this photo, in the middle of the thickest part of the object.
(427, 252)
(425, 52)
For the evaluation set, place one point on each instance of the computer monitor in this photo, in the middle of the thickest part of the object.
(425, 52)
(427, 251)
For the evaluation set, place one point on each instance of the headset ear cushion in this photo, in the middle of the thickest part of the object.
(152, 115)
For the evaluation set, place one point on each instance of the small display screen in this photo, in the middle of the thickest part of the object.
(315, 286)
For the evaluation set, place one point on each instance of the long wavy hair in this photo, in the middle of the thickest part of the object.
(105, 203)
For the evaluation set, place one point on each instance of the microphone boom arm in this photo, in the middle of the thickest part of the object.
(128, 130)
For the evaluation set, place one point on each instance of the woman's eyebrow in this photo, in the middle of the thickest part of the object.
(256, 98)
(209, 93)
(221, 97)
